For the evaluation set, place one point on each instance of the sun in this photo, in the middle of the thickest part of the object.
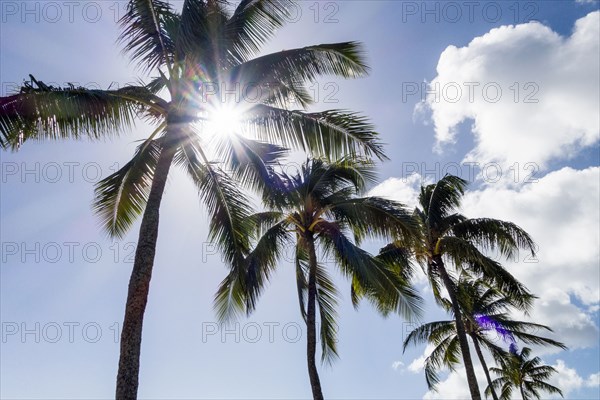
(224, 119)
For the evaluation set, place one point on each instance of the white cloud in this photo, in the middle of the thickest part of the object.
(397, 365)
(561, 213)
(416, 366)
(455, 385)
(560, 73)
(404, 190)
(568, 380)
(593, 381)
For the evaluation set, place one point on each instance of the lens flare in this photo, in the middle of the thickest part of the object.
(224, 119)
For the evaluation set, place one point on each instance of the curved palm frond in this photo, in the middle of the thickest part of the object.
(492, 234)
(144, 33)
(251, 161)
(442, 198)
(332, 134)
(445, 355)
(327, 300)
(254, 22)
(121, 197)
(384, 287)
(304, 64)
(227, 204)
(427, 332)
(262, 260)
(375, 217)
(59, 113)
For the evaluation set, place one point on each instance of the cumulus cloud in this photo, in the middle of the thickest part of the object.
(455, 385)
(593, 381)
(404, 190)
(532, 94)
(561, 213)
(569, 381)
(398, 365)
(418, 364)
(566, 378)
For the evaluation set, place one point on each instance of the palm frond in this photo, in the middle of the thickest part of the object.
(229, 225)
(384, 287)
(121, 197)
(251, 162)
(252, 24)
(332, 134)
(375, 217)
(144, 33)
(262, 260)
(442, 198)
(339, 180)
(304, 64)
(427, 332)
(59, 113)
(230, 299)
(492, 234)
(327, 300)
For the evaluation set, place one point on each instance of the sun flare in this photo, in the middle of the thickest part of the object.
(224, 119)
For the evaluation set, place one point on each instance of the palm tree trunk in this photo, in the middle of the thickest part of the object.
(522, 392)
(311, 330)
(460, 331)
(139, 284)
(484, 366)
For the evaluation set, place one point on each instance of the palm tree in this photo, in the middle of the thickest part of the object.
(519, 371)
(316, 210)
(448, 238)
(187, 52)
(485, 313)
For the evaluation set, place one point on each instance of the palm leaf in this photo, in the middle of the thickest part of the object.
(121, 197)
(442, 197)
(144, 33)
(60, 113)
(252, 24)
(333, 134)
(304, 64)
(492, 234)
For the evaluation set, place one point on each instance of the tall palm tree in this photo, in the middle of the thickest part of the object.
(316, 211)
(518, 371)
(486, 317)
(206, 48)
(450, 239)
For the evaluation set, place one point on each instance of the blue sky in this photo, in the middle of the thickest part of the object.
(60, 272)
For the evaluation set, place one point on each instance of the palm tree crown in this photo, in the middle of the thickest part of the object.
(486, 316)
(528, 375)
(446, 236)
(316, 211)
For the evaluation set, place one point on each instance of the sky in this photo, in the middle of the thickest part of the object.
(504, 94)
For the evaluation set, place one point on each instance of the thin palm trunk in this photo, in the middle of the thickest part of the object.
(522, 392)
(484, 366)
(311, 330)
(460, 331)
(139, 284)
